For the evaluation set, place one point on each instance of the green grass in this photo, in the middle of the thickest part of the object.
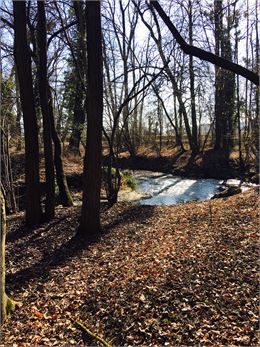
(128, 179)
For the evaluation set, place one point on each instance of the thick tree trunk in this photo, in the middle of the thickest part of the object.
(90, 214)
(225, 85)
(239, 127)
(23, 63)
(229, 90)
(47, 130)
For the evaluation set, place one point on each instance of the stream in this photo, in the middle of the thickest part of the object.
(166, 189)
(156, 188)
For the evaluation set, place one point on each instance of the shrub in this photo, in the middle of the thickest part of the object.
(128, 179)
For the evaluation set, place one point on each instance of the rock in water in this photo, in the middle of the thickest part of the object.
(229, 191)
(255, 179)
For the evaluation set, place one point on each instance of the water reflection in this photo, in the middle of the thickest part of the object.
(165, 189)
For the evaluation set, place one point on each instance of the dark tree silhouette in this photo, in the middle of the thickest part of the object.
(90, 214)
(47, 127)
(23, 63)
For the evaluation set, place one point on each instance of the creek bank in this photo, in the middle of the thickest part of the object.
(229, 191)
(232, 187)
(210, 164)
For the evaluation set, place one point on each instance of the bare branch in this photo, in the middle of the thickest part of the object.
(200, 53)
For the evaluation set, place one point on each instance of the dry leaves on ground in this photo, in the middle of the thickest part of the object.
(158, 275)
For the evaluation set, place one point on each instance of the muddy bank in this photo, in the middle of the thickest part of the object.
(211, 164)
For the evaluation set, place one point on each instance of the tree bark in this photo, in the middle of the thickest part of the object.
(78, 121)
(6, 173)
(23, 63)
(192, 84)
(219, 83)
(6, 304)
(19, 113)
(65, 197)
(90, 214)
(2, 257)
(47, 131)
(78, 112)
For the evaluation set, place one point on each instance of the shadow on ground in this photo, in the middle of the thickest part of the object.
(34, 252)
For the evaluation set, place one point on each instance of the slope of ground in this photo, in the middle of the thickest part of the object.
(166, 275)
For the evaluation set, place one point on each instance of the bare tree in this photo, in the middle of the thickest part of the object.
(47, 126)
(23, 64)
(90, 213)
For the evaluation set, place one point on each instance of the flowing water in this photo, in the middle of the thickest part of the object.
(166, 189)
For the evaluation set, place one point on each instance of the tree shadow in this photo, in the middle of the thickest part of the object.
(57, 243)
(133, 213)
(30, 233)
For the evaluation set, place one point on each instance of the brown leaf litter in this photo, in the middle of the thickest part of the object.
(159, 275)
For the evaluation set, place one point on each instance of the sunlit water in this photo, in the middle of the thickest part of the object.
(165, 189)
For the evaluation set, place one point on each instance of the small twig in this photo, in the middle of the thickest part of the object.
(85, 329)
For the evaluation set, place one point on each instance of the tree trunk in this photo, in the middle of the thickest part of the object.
(192, 86)
(2, 257)
(218, 75)
(229, 90)
(19, 114)
(47, 131)
(23, 63)
(6, 304)
(90, 214)
(239, 127)
(79, 113)
(257, 92)
(78, 121)
(65, 197)
(6, 173)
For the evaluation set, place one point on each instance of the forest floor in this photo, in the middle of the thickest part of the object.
(158, 275)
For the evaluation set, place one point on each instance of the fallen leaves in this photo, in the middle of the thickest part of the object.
(159, 276)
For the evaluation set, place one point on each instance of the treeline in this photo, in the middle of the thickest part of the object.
(127, 72)
(150, 87)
